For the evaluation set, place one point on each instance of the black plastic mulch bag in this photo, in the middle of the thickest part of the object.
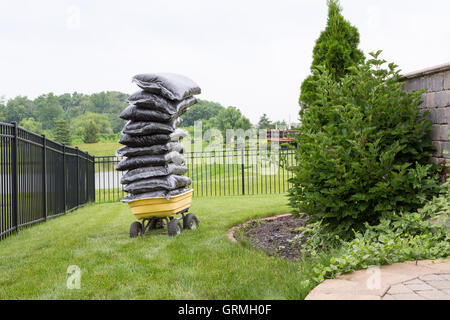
(142, 128)
(152, 150)
(170, 85)
(142, 151)
(144, 141)
(168, 183)
(150, 172)
(139, 113)
(133, 112)
(148, 100)
(141, 161)
(155, 194)
(151, 160)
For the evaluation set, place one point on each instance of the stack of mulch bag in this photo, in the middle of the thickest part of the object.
(153, 151)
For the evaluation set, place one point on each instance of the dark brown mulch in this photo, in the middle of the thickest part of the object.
(277, 237)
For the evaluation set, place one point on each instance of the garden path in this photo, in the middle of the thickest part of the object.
(412, 280)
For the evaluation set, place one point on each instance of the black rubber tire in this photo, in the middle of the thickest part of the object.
(174, 228)
(190, 222)
(156, 224)
(135, 229)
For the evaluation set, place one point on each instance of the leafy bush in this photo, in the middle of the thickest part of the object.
(32, 125)
(80, 123)
(362, 252)
(90, 133)
(363, 150)
(397, 238)
(109, 137)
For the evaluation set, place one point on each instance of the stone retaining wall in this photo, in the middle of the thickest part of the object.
(436, 81)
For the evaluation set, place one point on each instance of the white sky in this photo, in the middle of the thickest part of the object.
(249, 54)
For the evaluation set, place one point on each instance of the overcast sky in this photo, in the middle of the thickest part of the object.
(249, 54)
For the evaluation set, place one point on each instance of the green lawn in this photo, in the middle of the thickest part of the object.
(109, 148)
(104, 149)
(100, 148)
(208, 178)
(200, 264)
(208, 182)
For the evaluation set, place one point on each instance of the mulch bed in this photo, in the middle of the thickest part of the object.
(276, 237)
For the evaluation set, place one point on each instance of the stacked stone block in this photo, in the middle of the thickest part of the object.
(436, 100)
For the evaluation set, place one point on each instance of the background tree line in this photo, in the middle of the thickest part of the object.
(68, 117)
(77, 117)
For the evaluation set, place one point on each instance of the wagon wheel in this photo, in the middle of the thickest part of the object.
(174, 228)
(135, 229)
(190, 222)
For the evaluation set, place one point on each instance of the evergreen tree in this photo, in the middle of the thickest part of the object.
(90, 133)
(264, 122)
(62, 132)
(336, 49)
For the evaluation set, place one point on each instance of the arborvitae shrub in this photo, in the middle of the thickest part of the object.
(336, 49)
(62, 132)
(363, 149)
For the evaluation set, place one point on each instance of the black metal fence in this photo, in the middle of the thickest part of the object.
(39, 178)
(214, 173)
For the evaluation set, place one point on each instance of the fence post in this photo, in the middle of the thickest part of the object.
(15, 178)
(192, 172)
(93, 176)
(64, 176)
(78, 178)
(44, 179)
(242, 172)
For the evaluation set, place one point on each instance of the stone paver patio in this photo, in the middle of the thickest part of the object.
(433, 286)
(421, 280)
(411, 280)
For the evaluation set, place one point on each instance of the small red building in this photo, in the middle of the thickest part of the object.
(282, 136)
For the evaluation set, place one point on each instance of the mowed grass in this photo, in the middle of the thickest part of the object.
(199, 264)
(208, 180)
(100, 148)
(214, 186)
(109, 148)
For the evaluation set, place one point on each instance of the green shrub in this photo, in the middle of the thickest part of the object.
(109, 137)
(90, 133)
(32, 125)
(397, 238)
(362, 150)
(363, 252)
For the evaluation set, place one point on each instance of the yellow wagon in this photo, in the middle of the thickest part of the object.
(154, 210)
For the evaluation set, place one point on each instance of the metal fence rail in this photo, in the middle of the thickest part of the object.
(214, 173)
(39, 178)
